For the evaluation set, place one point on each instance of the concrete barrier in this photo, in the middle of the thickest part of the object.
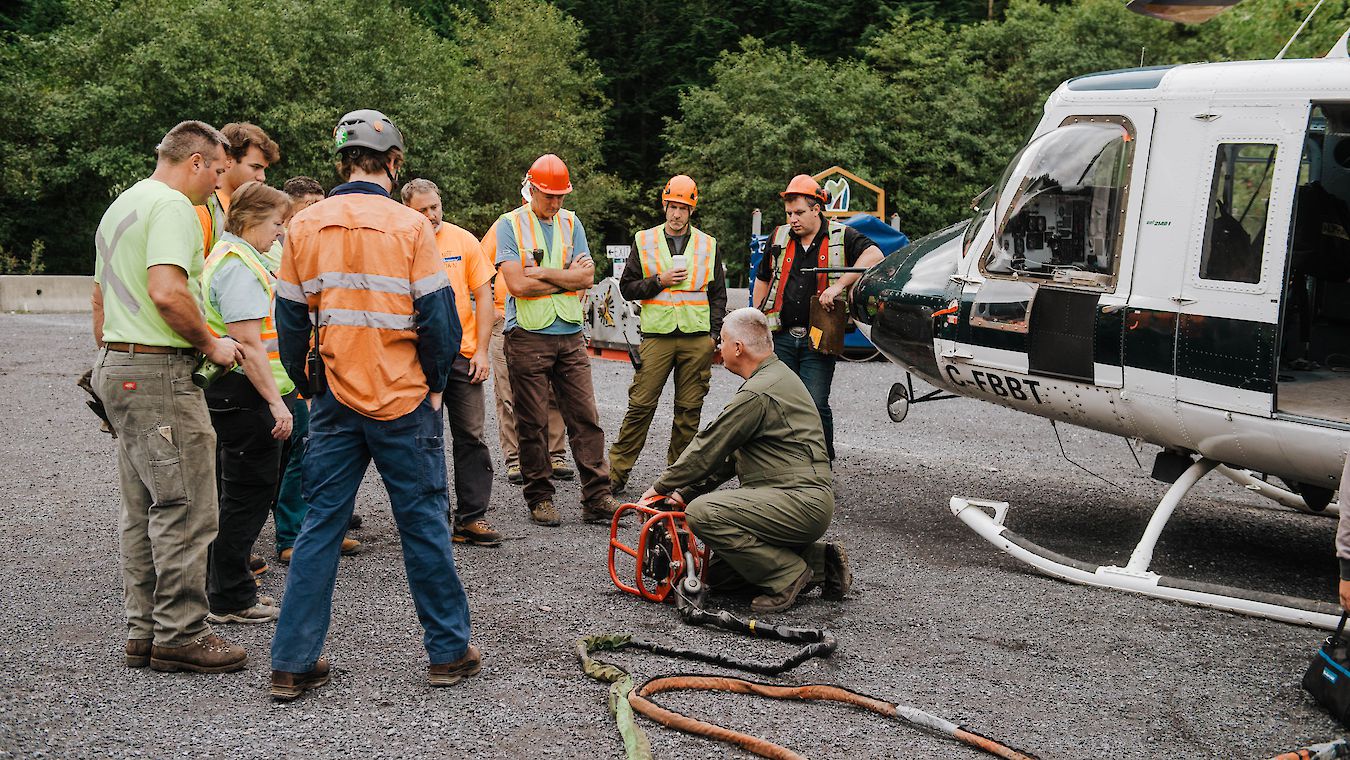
(45, 292)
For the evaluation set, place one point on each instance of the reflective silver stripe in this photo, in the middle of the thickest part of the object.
(430, 284)
(290, 291)
(358, 281)
(270, 345)
(106, 250)
(379, 320)
(678, 296)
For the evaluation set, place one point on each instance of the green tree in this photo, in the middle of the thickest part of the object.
(82, 108)
(768, 115)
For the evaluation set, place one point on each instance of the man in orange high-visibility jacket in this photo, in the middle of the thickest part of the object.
(365, 267)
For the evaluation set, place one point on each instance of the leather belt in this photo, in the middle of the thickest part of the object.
(137, 348)
(797, 332)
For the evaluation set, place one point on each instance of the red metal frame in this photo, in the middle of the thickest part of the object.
(682, 554)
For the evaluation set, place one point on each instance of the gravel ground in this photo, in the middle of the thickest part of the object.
(938, 618)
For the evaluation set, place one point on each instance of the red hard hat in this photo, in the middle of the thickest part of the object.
(805, 184)
(549, 174)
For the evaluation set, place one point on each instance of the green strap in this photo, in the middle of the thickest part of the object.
(636, 745)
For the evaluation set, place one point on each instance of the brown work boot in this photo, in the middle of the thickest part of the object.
(350, 546)
(478, 533)
(257, 564)
(767, 603)
(208, 654)
(451, 673)
(287, 687)
(600, 510)
(138, 652)
(544, 513)
(838, 576)
(561, 469)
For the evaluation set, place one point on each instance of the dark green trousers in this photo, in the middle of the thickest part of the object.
(766, 537)
(690, 358)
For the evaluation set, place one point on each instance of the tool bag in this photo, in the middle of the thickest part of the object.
(1328, 675)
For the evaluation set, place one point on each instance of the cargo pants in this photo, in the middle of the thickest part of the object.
(765, 537)
(166, 460)
(690, 358)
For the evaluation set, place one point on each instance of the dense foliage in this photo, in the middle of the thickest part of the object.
(926, 98)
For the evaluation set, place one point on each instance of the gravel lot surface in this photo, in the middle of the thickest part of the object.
(938, 618)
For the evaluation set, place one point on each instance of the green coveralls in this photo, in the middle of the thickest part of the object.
(770, 437)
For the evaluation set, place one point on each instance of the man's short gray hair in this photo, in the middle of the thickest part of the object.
(749, 326)
(419, 185)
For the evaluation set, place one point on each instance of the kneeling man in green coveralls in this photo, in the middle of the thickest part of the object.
(770, 437)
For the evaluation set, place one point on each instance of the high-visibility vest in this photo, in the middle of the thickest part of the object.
(538, 312)
(212, 217)
(683, 306)
(216, 323)
(831, 255)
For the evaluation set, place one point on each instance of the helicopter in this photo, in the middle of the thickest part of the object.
(1166, 260)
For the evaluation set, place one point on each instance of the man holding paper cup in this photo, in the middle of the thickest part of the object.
(786, 294)
(681, 285)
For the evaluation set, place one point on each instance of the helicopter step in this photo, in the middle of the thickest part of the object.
(987, 519)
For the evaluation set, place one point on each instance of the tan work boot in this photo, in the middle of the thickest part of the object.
(451, 673)
(513, 474)
(478, 533)
(544, 513)
(287, 687)
(138, 652)
(350, 546)
(208, 654)
(561, 469)
(601, 510)
(767, 603)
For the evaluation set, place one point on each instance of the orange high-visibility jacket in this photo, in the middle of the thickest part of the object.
(366, 268)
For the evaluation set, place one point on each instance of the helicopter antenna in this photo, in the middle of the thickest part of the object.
(1065, 454)
(1299, 31)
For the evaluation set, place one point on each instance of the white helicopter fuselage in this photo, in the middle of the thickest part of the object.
(1136, 334)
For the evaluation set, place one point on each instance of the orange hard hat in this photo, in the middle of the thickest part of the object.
(549, 174)
(681, 189)
(805, 184)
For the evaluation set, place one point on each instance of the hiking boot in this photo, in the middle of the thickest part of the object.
(561, 469)
(258, 613)
(287, 687)
(544, 513)
(350, 546)
(257, 564)
(767, 603)
(451, 673)
(513, 474)
(600, 510)
(138, 652)
(208, 654)
(838, 576)
(478, 533)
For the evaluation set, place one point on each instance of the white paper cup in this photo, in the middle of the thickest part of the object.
(679, 261)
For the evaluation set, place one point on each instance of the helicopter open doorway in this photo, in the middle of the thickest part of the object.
(1313, 380)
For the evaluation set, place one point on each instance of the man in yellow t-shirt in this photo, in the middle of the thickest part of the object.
(148, 325)
(471, 274)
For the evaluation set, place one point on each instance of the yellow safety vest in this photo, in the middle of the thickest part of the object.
(831, 255)
(538, 312)
(683, 306)
(216, 323)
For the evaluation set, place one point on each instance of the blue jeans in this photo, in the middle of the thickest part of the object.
(410, 455)
(817, 373)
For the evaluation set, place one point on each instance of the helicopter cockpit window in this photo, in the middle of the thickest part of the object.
(1239, 200)
(1061, 206)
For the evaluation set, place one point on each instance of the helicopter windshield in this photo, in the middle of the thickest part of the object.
(1061, 205)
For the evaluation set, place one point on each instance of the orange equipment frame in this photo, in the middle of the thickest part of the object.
(684, 556)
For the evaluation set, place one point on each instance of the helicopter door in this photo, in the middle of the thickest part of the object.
(1049, 301)
(1228, 308)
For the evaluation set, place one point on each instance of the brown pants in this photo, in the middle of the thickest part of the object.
(166, 458)
(537, 363)
(506, 410)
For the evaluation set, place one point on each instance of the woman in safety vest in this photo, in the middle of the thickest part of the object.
(250, 405)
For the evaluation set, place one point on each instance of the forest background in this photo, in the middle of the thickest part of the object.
(928, 99)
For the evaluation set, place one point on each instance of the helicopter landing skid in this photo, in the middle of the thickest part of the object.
(986, 519)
